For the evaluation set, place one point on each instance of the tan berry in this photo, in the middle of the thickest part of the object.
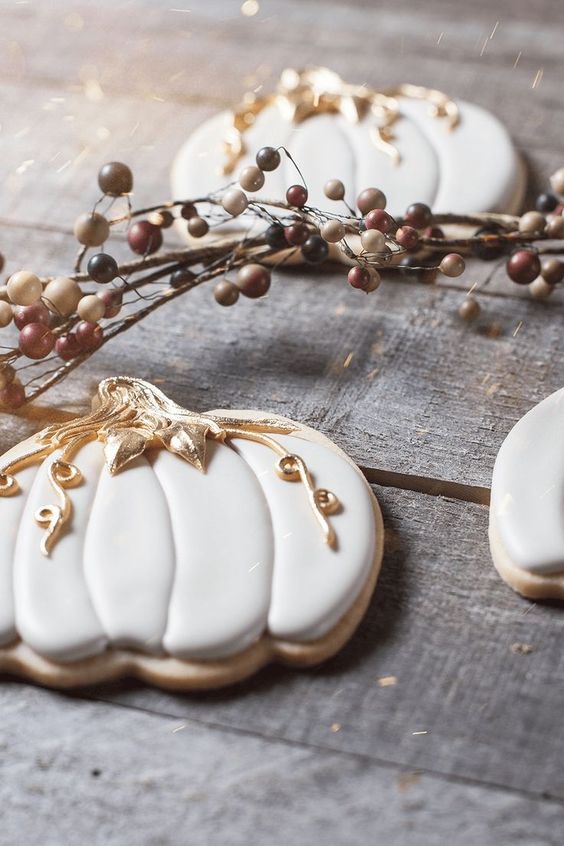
(532, 222)
(234, 202)
(539, 289)
(91, 308)
(452, 265)
(251, 178)
(332, 231)
(91, 229)
(24, 288)
(6, 314)
(62, 295)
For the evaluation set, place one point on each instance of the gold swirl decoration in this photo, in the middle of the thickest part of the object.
(130, 416)
(315, 91)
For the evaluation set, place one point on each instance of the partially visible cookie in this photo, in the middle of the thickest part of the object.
(185, 549)
(527, 503)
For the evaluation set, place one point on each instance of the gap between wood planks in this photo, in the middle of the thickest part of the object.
(427, 485)
(324, 749)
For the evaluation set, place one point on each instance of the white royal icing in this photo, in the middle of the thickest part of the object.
(129, 556)
(223, 538)
(473, 167)
(11, 517)
(54, 610)
(527, 497)
(313, 584)
(161, 557)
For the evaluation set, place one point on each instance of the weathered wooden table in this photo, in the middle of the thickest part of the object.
(436, 724)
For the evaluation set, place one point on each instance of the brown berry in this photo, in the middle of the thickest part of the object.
(6, 314)
(163, 218)
(115, 178)
(334, 189)
(552, 270)
(91, 308)
(470, 309)
(188, 210)
(253, 280)
(226, 293)
(62, 295)
(13, 395)
(251, 178)
(24, 288)
(198, 227)
(268, 158)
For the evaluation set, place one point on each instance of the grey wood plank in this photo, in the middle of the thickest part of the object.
(78, 772)
(464, 700)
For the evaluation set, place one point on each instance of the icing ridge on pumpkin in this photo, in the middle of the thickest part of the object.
(130, 416)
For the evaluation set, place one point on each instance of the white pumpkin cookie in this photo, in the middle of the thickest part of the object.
(184, 549)
(526, 514)
(471, 166)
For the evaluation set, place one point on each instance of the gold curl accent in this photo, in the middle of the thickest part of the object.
(130, 416)
(300, 94)
(52, 518)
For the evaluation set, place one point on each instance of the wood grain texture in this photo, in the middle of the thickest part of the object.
(327, 754)
(82, 772)
(465, 701)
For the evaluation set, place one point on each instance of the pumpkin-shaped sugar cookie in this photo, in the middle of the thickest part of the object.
(412, 143)
(526, 511)
(185, 549)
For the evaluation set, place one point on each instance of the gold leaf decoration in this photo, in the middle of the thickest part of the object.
(122, 446)
(188, 440)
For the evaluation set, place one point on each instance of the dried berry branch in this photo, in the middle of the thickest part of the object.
(75, 315)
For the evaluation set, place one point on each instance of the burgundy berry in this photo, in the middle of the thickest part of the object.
(407, 237)
(67, 347)
(36, 313)
(36, 340)
(296, 234)
(418, 215)
(144, 237)
(378, 219)
(296, 195)
(89, 336)
(523, 266)
(358, 277)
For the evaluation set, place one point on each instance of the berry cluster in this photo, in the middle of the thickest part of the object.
(66, 318)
